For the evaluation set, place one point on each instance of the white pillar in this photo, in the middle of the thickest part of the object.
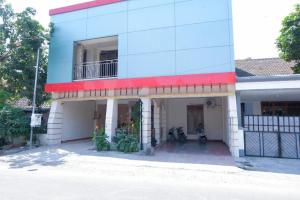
(157, 120)
(146, 125)
(111, 120)
(236, 142)
(239, 112)
(164, 122)
(55, 124)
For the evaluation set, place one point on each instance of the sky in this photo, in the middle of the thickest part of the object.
(256, 23)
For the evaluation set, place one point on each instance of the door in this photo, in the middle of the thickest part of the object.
(108, 55)
(195, 118)
(108, 67)
(100, 116)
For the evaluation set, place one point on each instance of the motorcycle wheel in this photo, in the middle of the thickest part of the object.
(182, 139)
(203, 140)
(171, 138)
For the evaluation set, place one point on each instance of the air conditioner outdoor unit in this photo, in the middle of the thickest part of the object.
(211, 103)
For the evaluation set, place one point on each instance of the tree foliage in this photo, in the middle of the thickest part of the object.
(288, 42)
(13, 121)
(20, 38)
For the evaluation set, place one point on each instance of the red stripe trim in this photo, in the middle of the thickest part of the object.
(163, 81)
(82, 6)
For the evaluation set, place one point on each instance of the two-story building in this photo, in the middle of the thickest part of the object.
(176, 57)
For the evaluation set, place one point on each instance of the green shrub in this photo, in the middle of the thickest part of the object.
(13, 123)
(100, 139)
(127, 143)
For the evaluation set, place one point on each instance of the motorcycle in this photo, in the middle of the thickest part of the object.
(177, 134)
(202, 137)
(181, 137)
(171, 138)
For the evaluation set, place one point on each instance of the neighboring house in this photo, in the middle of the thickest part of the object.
(24, 104)
(269, 94)
(175, 57)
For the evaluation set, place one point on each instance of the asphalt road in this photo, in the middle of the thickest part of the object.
(75, 173)
(36, 184)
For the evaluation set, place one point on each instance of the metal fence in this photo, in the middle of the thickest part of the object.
(272, 136)
(97, 69)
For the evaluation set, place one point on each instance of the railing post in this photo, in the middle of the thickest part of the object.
(97, 69)
(278, 137)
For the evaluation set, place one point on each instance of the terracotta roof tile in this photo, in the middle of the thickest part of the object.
(263, 67)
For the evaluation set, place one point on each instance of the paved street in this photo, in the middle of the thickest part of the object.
(76, 171)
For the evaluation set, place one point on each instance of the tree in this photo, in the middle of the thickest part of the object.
(20, 37)
(288, 42)
(13, 121)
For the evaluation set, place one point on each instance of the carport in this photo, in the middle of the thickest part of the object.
(213, 148)
(212, 153)
(270, 115)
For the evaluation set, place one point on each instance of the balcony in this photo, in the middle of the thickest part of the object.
(96, 59)
(96, 70)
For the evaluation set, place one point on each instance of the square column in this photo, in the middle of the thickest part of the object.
(146, 123)
(164, 121)
(239, 111)
(111, 119)
(55, 124)
(235, 135)
(157, 121)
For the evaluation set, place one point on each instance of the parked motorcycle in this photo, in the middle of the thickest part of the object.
(171, 138)
(202, 137)
(176, 135)
(181, 137)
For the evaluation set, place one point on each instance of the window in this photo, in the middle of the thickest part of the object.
(281, 108)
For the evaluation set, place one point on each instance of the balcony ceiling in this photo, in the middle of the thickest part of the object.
(105, 40)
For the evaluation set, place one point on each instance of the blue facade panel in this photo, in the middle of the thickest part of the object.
(209, 60)
(210, 34)
(138, 4)
(106, 25)
(155, 64)
(155, 37)
(151, 18)
(199, 11)
(155, 40)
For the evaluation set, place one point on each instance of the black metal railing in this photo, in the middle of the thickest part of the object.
(96, 70)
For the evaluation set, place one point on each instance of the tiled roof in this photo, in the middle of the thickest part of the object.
(24, 104)
(263, 67)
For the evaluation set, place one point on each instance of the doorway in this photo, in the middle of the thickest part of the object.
(100, 116)
(195, 118)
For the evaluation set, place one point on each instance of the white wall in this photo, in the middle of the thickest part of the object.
(213, 117)
(78, 120)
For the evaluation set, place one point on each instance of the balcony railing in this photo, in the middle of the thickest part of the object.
(96, 70)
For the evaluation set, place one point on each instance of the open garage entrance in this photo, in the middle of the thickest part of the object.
(209, 114)
(81, 118)
(211, 148)
(214, 116)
